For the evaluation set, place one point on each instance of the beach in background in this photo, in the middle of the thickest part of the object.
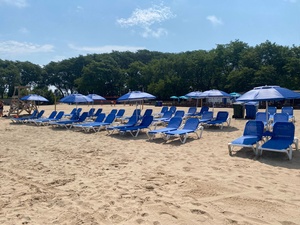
(60, 176)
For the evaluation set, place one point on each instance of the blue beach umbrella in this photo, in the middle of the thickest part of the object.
(76, 98)
(96, 97)
(195, 95)
(215, 94)
(34, 97)
(268, 93)
(136, 96)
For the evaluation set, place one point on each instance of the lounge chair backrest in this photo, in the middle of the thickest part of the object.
(173, 109)
(148, 112)
(179, 113)
(136, 112)
(113, 111)
(78, 111)
(281, 117)
(82, 117)
(74, 116)
(110, 118)
(146, 122)
(255, 128)
(261, 116)
(52, 115)
(222, 116)
(207, 115)
(40, 114)
(191, 124)
(164, 109)
(74, 110)
(288, 109)
(284, 130)
(167, 115)
(132, 120)
(192, 110)
(100, 118)
(175, 122)
(91, 112)
(59, 115)
(272, 110)
(203, 109)
(120, 113)
(98, 112)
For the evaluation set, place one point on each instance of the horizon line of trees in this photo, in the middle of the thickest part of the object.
(233, 67)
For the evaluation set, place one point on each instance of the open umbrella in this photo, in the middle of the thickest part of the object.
(235, 94)
(174, 97)
(215, 94)
(135, 96)
(268, 93)
(96, 97)
(195, 95)
(34, 97)
(76, 98)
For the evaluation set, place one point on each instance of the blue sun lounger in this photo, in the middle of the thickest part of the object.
(87, 126)
(135, 130)
(68, 123)
(51, 116)
(46, 121)
(251, 137)
(173, 124)
(131, 122)
(21, 119)
(222, 117)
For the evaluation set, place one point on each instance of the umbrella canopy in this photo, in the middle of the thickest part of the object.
(174, 97)
(76, 98)
(196, 95)
(268, 93)
(214, 93)
(235, 94)
(34, 97)
(95, 97)
(183, 97)
(136, 96)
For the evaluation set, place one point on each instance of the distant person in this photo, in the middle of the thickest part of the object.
(1, 108)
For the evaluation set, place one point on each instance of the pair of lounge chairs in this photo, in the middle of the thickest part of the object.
(102, 121)
(281, 138)
(175, 129)
(35, 115)
(69, 123)
(133, 126)
(221, 119)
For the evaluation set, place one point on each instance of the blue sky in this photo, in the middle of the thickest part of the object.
(41, 31)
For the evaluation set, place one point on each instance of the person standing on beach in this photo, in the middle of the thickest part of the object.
(1, 108)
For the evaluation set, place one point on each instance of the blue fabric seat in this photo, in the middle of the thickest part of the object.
(290, 111)
(46, 121)
(21, 119)
(252, 135)
(206, 117)
(131, 122)
(69, 123)
(88, 125)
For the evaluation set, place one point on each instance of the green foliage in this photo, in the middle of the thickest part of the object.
(229, 67)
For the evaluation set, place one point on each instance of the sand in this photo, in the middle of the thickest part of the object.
(59, 176)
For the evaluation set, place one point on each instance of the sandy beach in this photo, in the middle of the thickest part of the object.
(60, 176)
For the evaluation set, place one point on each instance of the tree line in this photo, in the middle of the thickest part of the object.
(233, 67)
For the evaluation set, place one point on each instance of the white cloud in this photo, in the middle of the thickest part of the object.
(105, 48)
(17, 3)
(146, 18)
(19, 48)
(214, 20)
